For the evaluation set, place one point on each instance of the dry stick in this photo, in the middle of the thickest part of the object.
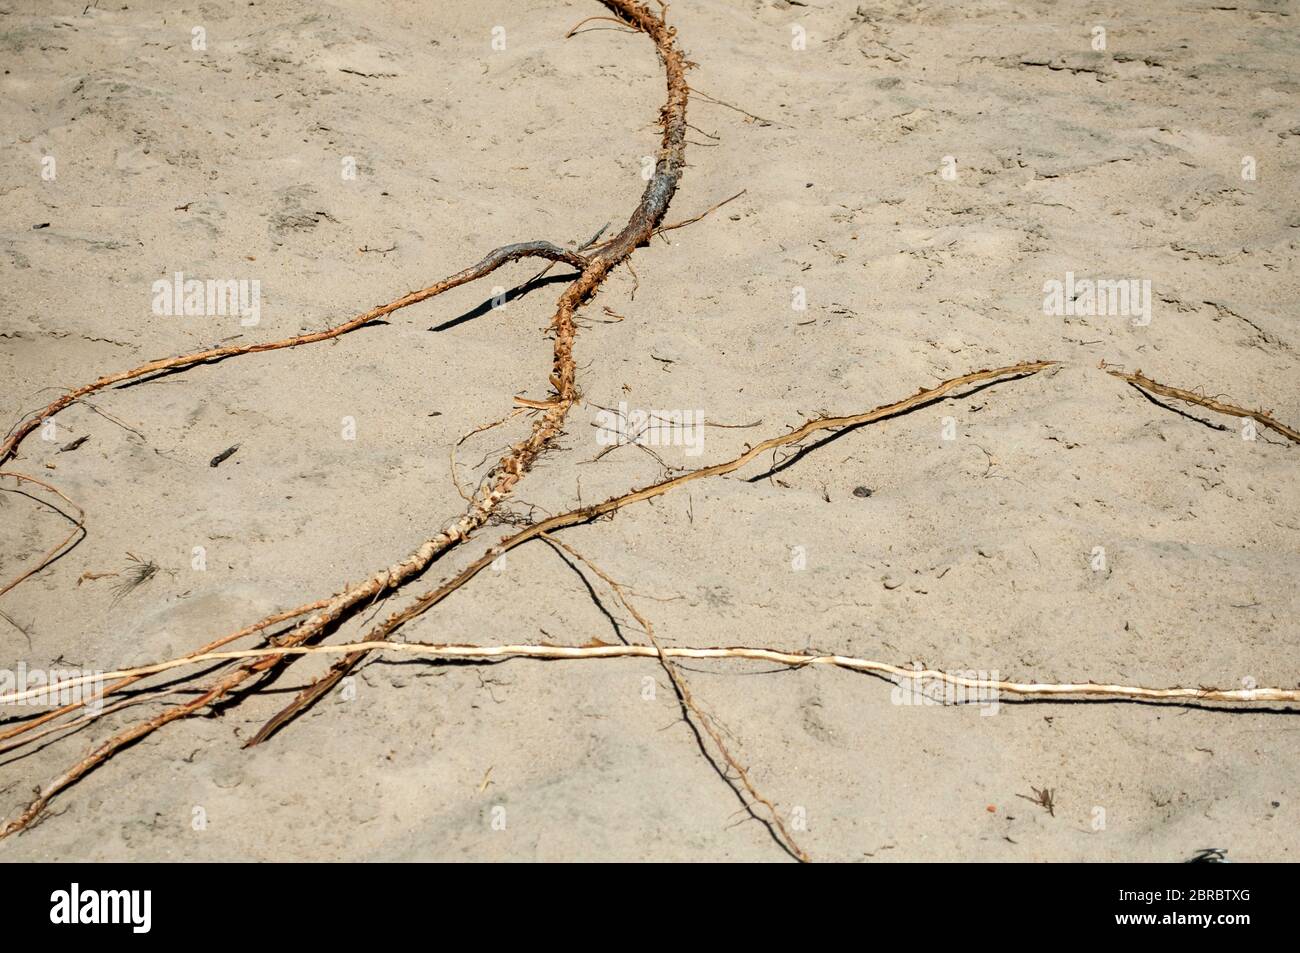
(689, 707)
(78, 526)
(494, 260)
(117, 687)
(513, 466)
(324, 683)
(640, 228)
(602, 650)
(1137, 379)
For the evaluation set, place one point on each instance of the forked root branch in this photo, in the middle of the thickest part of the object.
(512, 467)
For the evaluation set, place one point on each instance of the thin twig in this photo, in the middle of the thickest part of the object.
(718, 102)
(477, 430)
(574, 30)
(696, 218)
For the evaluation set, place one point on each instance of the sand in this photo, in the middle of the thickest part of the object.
(978, 552)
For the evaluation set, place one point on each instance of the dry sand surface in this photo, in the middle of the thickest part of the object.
(1071, 529)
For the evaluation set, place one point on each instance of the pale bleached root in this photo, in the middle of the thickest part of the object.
(913, 676)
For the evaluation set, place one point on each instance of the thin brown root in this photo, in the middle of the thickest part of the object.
(691, 708)
(708, 211)
(494, 260)
(78, 529)
(1139, 380)
(749, 115)
(579, 24)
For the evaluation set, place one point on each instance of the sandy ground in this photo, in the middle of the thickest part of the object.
(971, 553)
